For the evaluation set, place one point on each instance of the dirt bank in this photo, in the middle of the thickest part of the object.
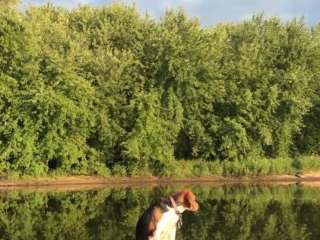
(307, 178)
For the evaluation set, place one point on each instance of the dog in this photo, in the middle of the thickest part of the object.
(160, 220)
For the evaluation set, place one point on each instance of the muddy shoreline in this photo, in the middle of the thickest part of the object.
(312, 178)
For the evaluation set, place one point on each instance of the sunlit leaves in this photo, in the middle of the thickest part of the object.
(94, 90)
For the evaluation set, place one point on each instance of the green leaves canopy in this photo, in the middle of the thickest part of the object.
(91, 90)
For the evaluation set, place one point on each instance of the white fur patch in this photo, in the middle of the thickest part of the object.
(167, 226)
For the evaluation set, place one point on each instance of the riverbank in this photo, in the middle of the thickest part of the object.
(96, 180)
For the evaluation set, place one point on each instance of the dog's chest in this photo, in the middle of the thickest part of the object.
(167, 224)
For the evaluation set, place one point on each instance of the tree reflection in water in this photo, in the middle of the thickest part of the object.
(227, 212)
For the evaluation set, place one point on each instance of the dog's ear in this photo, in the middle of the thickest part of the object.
(189, 200)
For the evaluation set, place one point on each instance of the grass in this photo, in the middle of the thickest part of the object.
(251, 167)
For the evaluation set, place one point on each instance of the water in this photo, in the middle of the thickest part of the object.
(226, 212)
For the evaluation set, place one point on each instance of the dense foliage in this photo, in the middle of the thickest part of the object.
(225, 213)
(109, 90)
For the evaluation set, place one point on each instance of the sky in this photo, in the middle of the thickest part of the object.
(213, 11)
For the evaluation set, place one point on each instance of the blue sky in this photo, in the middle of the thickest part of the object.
(213, 11)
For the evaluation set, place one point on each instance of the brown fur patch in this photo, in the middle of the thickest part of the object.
(187, 199)
(155, 218)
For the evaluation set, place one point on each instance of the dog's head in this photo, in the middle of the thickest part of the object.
(187, 199)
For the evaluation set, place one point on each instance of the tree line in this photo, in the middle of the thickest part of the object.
(109, 90)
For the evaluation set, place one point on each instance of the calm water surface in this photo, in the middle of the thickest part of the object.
(226, 212)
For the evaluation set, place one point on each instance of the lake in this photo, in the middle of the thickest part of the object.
(226, 212)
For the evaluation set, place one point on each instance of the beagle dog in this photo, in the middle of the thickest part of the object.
(160, 220)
